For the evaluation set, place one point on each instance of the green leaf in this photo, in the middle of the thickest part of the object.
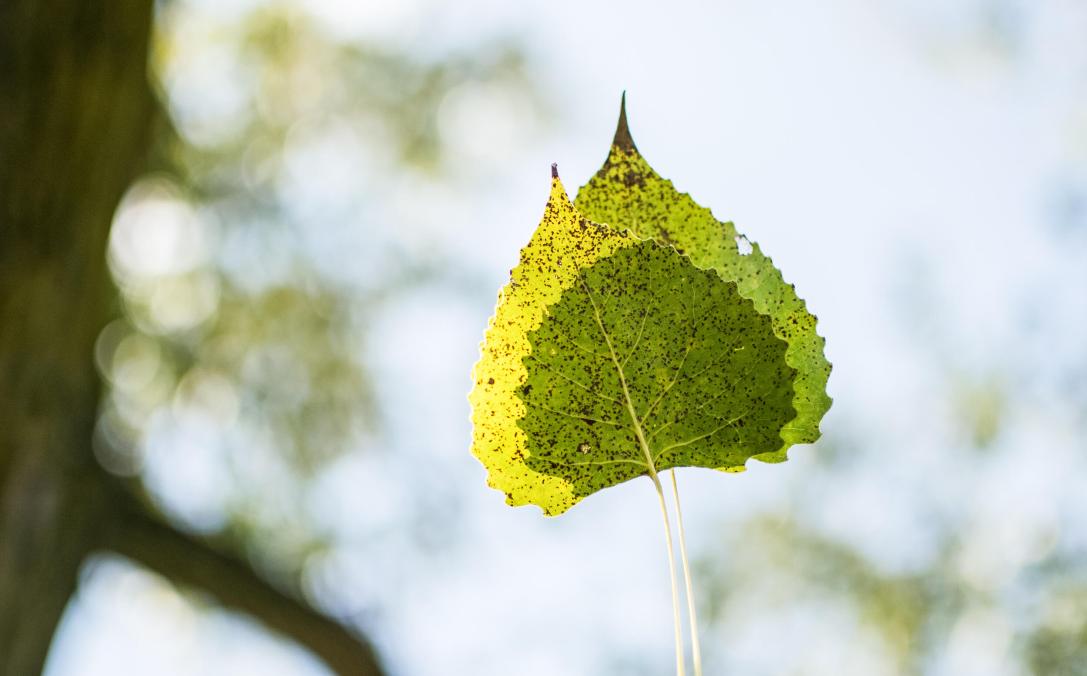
(562, 244)
(628, 193)
(610, 357)
(649, 363)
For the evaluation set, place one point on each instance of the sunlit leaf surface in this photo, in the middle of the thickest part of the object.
(628, 193)
(610, 357)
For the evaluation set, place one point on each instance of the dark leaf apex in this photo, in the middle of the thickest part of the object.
(622, 139)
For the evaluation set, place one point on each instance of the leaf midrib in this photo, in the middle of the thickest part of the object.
(650, 466)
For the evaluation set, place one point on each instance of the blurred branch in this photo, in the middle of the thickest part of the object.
(189, 561)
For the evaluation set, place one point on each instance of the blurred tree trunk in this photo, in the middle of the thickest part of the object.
(74, 128)
(76, 113)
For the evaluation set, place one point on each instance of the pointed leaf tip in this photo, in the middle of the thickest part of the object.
(622, 139)
(558, 190)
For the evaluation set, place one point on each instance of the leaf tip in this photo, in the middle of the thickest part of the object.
(622, 139)
(558, 191)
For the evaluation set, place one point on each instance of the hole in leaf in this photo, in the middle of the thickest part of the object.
(743, 245)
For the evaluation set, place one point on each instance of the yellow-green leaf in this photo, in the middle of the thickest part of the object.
(611, 357)
(561, 246)
(628, 194)
(648, 363)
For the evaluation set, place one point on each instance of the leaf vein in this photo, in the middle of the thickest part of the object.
(575, 416)
(572, 381)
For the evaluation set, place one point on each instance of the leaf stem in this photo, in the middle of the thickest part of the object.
(696, 649)
(680, 666)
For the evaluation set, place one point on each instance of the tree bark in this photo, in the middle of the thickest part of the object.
(74, 127)
(76, 113)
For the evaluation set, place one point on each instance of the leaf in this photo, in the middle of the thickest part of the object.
(610, 357)
(563, 243)
(649, 362)
(628, 193)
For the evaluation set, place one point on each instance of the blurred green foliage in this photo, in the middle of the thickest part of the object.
(244, 323)
(1014, 592)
